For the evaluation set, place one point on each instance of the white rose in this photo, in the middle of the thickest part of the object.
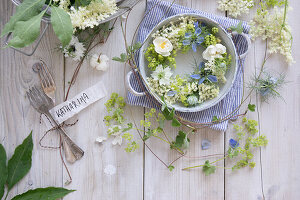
(214, 51)
(99, 62)
(163, 46)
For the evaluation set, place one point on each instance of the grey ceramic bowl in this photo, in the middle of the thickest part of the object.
(184, 66)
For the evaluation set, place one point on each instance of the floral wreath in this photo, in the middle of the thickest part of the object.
(204, 82)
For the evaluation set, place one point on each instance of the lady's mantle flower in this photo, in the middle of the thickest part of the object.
(99, 62)
(214, 51)
(115, 131)
(163, 75)
(194, 39)
(233, 143)
(163, 46)
(74, 49)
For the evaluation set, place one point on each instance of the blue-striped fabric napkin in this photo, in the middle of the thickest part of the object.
(231, 101)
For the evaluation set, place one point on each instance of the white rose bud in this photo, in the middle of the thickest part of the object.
(163, 46)
(214, 51)
(99, 62)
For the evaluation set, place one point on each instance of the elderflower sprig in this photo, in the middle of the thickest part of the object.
(270, 23)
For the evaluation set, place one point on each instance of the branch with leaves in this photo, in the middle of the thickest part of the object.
(17, 167)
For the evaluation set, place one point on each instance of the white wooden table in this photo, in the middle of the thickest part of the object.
(140, 175)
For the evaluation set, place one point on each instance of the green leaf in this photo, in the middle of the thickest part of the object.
(171, 167)
(129, 126)
(208, 168)
(238, 28)
(136, 46)
(79, 3)
(20, 163)
(215, 118)
(62, 25)
(3, 170)
(169, 115)
(251, 107)
(26, 32)
(123, 58)
(147, 135)
(49, 193)
(176, 123)
(24, 12)
(182, 141)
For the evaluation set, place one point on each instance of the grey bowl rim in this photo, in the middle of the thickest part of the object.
(199, 107)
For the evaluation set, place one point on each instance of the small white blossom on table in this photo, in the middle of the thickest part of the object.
(99, 62)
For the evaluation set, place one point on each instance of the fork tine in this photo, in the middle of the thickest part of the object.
(48, 74)
(44, 78)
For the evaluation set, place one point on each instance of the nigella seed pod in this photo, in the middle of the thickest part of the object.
(192, 100)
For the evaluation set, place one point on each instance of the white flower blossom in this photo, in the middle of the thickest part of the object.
(91, 15)
(101, 139)
(163, 46)
(163, 75)
(236, 7)
(99, 62)
(74, 49)
(214, 51)
(268, 25)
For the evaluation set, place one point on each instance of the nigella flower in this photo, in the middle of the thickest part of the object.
(268, 85)
(194, 39)
(233, 143)
(163, 75)
(201, 79)
(74, 49)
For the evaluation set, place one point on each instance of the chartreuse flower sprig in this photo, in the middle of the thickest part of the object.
(245, 134)
(153, 126)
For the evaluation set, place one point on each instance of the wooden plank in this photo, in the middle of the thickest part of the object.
(89, 178)
(235, 187)
(160, 183)
(17, 117)
(275, 175)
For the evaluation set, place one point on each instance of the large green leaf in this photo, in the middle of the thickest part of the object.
(62, 25)
(50, 193)
(26, 32)
(20, 163)
(3, 170)
(24, 12)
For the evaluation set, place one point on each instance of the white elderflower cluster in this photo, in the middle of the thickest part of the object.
(269, 25)
(207, 92)
(172, 31)
(91, 15)
(235, 7)
(162, 90)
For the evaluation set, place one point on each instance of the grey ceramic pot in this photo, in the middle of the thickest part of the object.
(184, 66)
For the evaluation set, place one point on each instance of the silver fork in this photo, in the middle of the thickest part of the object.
(47, 82)
(42, 104)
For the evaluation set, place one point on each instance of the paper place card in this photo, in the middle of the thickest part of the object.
(69, 108)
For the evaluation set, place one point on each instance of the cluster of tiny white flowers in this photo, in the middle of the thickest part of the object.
(162, 90)
(64, 4)
(90, 15)
(268, 25)
(236, 7)
(207, 92)
(171, 31)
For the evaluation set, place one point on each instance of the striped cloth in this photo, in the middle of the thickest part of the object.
(230, 101)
